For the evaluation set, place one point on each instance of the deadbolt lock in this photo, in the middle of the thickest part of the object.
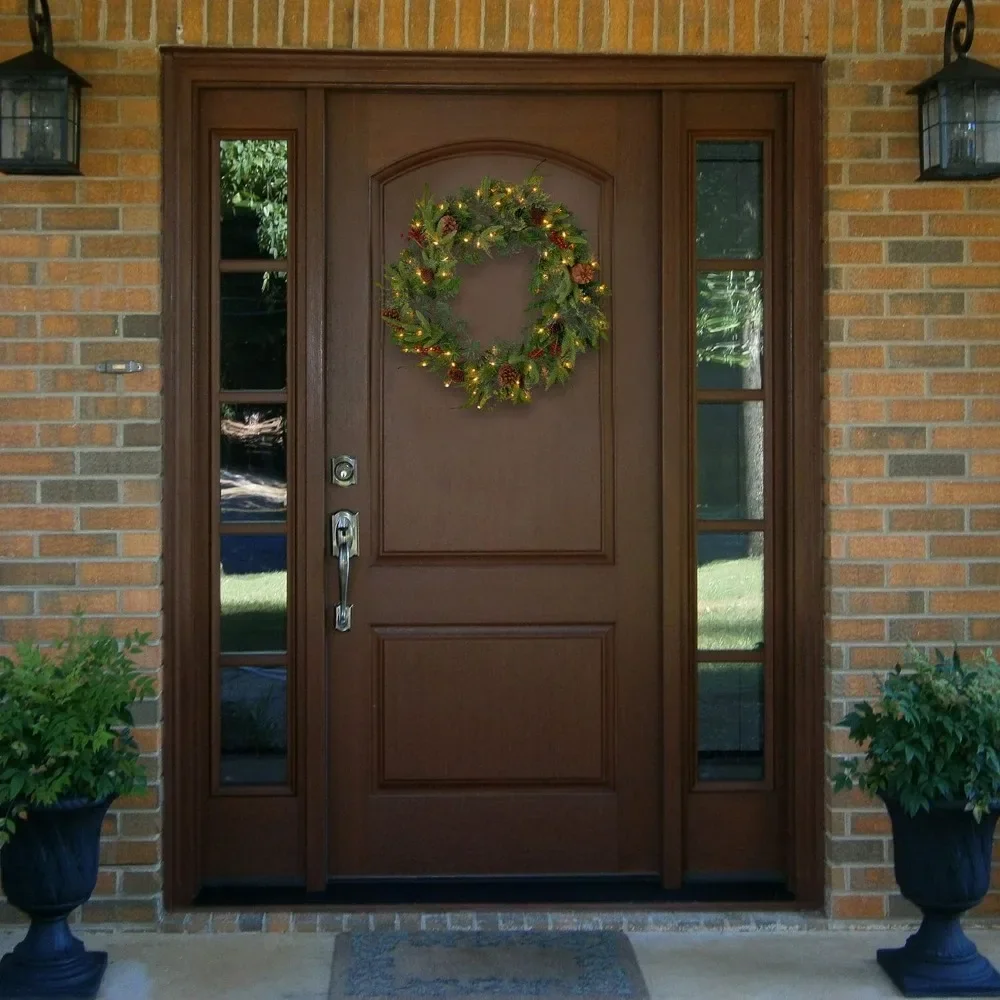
(344, 470)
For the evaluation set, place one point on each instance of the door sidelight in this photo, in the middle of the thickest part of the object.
(344, 542)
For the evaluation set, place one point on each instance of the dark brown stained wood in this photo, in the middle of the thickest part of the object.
(525, 461)
(802, 636)
(732, 827)
(521, 518)
(218, 816)
(498, 576)
(313, 466)
(474, 706)
(677, 470)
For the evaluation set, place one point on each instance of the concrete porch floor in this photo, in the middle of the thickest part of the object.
(837, 965)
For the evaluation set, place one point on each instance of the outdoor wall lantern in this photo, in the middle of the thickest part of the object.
(39, 106)
(960, 109)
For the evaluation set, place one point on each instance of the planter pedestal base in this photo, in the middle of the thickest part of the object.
(50, 962)
(940, 961)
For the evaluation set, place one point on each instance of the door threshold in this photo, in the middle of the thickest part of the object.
(465, 893)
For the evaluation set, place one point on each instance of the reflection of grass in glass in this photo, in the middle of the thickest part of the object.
(253, 612)
(731, 603)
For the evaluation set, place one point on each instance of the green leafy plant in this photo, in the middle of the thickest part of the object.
(932, 736)
(66, 722)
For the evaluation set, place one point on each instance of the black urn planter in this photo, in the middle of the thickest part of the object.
(943, 862)
(48, 869)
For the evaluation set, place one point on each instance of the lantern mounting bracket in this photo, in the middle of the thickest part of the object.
(40, 26)
(958, 35)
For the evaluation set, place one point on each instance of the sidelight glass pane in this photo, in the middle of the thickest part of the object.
(253, 325)
(253, 196)
(730, 721)
(730, 200)
(731, 461)
(731, 590)
(729, 343)
(253, 482)
(253, 587)
(254, 726)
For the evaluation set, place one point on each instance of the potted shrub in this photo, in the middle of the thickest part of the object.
(932, 753)
(66, 752)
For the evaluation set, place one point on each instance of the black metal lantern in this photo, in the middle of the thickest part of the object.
(960, 109)
(39, 106)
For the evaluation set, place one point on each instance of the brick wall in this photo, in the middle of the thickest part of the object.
(913, 331)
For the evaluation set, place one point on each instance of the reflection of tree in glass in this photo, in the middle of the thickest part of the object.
(731, 322)
(252, 461)
(729, 200)
(253, 331)
(254, 179)
(254, 196)
(730, 347)
(730, 328)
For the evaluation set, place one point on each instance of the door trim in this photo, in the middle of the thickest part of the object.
(189, 71)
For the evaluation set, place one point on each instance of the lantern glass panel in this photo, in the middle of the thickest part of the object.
(958, 137)
(15, 114)
(931, 122)
(988, 118)
(47, 128)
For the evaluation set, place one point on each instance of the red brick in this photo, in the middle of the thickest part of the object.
(878, 547)
(927, 574)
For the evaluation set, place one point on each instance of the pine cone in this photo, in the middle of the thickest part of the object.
(555, 348)
(447, 225)
(456, 374)
(537, 215)
(390, 314)
(508, 375)
(417, 234)
(556, 327)
(583, 273)
(426, 275)
(559, 240)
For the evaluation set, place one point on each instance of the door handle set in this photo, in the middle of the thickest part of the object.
(344, 535)
(344, 544)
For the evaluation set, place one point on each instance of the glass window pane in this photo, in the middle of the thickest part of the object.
(730, 199)
(731, 590)
(730, 721)
(730, 330)
(731, 461)
(254, 726)
(253, 587)
(253, 482)
(960, 113)
(253, 189)
(253, 330)
(988, 123)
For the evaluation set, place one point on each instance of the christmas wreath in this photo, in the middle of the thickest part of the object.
(495, 219)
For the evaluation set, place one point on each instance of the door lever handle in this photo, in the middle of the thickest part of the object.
(344, 541)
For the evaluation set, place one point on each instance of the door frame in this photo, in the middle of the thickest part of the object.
(189, 71)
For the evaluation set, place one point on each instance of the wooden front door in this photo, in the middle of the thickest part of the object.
(586, 632)
(495, 707)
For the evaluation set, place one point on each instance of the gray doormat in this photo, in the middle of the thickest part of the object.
(475, 965)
